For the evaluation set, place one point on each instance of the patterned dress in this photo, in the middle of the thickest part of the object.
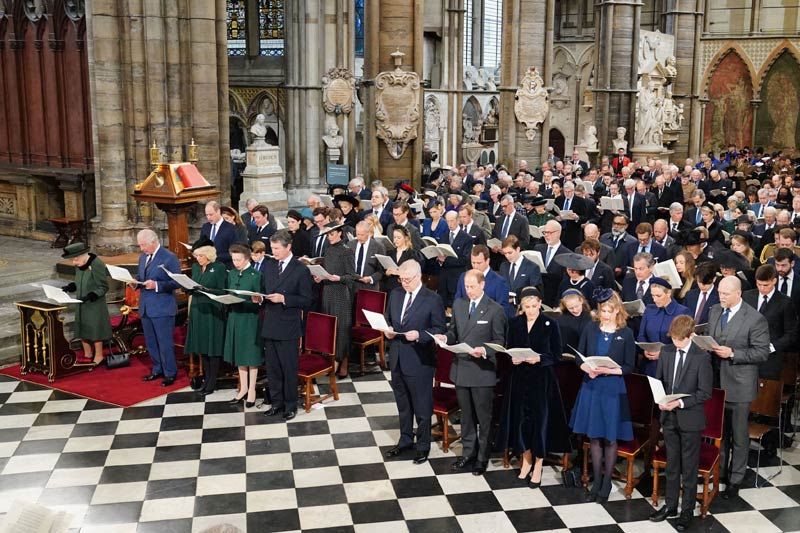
(337, 296)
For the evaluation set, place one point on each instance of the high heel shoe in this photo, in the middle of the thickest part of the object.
(250, 404)
(605, 490)
(591, 496)
(534, 484)
(235, 400)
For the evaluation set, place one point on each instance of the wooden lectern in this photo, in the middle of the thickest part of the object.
(175, 188)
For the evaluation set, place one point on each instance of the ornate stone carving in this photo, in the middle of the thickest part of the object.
(75, 9)
(332, 139)
(259, 131)
(338, 91)
(34, 9)
(397, 107)
(479, 79)
(8, 206)
(531, 106)
(620, 141)
(433, 121)
(672, 71)
(654, 47)
(650, 109)
(590, 138)
(560, 96)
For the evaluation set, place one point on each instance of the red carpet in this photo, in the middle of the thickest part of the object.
(122, 386)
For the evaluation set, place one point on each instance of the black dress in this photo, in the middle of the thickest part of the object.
(389, 283)
(571, 328)
(301, 243)
(532, 417)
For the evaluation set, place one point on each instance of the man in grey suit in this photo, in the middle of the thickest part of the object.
(364, 249)
(476, 320)
(743, 337)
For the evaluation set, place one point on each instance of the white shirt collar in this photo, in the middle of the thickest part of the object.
(415, 292)
(768, 295)
(734, 309)
(476, 302)
(519, 260)
(158, 247)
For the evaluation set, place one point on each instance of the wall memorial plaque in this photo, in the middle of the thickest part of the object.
(397, 108)
(338, 91)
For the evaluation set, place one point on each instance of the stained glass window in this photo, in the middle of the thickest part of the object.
(271, 28)
(359, 5)
(237, 27)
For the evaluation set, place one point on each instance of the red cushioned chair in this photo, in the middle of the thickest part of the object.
(709, 452)
(445, 402)
(361, 335)
(318, 358)
(640, 401)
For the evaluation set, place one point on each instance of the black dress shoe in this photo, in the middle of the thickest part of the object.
(421, 457)
(461, 463)
(205, 393)
(731, 491)
(152, 377)
(250, 404)
(272, 411)
(166, 382)
(396, 451)
(534, 484)
(479, 469)
(685, 520)
(289, 415)
(662, 514)
(235, 400)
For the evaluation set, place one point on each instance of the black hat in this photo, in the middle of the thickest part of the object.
(538, 201)
(743, 219)
(347, 198)
(331, 227)
(693, 238)
(528, 199)
(202, 241)
(745, 234)
(530, 291)
(660, 281)
(574, 261)
(602, 295)
(295, 214)
(557, 180)
(336, 186)
(405, 187)
(729, 259)
(482, 205)
(74, 250)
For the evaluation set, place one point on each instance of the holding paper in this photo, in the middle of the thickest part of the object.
(121, 274)
(522, 355)
(460, 348)
(660, 397)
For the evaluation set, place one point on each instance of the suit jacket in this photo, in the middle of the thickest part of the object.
(372, 267)
(285, 321)
(664, 198)
(476, 232)
(628, 293)
(690, 216)
(603, 276)
(555, 272)
(782, 319)
(656, 250)
(620, 251)
(425, 314)
(313, 234)
(413, 231)
(528, 275)
(253, 234)
(677, 190)
(693, 297)
(571, 232)
(747, 334)
(226, 235)
(462, 246)
(487, 324)
(519, 227)
(161, 301)
(639, 212)
(496, 288)
(696, 379)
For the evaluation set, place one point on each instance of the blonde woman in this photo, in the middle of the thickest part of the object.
(685, 265)
(601, 410)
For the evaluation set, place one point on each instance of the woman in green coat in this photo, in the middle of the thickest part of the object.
(206, 334)
(242, 342)
(92, 323)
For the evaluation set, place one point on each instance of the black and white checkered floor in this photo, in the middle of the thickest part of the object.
(177, 464)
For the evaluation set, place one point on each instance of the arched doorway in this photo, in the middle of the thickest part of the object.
(556, 140)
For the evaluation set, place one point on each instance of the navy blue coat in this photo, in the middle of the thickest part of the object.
(693, 297)
(529, 275)
(160, 302)
(656, 250)
(426, 314)
(226, 235)
(496, 288)
(654, 327)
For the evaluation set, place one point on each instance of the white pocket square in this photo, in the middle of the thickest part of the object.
(483, 321)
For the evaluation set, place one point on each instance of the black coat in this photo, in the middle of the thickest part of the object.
(695, 379)
(782, 318)
(571, 233)
(284, 321)
(225, 237)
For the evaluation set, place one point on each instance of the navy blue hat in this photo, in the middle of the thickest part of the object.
(602, 295)
(660, 281)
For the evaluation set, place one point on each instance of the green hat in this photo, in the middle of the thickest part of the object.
(74, 250)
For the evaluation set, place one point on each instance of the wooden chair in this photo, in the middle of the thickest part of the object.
(318, 357)
(640, 401)
(361, 335)
(445, 402)
(569, 378)
(789, 378)
(708, 466)
(767, 404)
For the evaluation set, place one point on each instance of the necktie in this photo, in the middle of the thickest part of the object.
(410, 298)
(452, 237)
(567, 204)
(513, 271)
(699, 216)
(147, 262)
(549, 256)
(785, 285)
(763, 304)
(674, 227)
(471, 308)
(280, 267)
(360, 260)
(640, 290)
(213, 231)
(630, 205)
(678, 368)
(641, 249)
(506, 226)
(700, 307)
(318, 250)
(723, 323)
(257, 266)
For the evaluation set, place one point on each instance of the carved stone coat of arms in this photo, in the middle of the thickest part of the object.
(531, 104)
(397, 109)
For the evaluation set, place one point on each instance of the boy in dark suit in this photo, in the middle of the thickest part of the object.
(683, 369)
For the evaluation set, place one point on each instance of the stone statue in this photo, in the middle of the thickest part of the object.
(672, 71)
(489, 77)
(238, 156)
(620, 141)
(332, 139)
(647, 48)
(259, 130)
(492, 120)
(432, 119)
(470, 78)
(531, 104)
(469, 130)
(590, 138)
(680, 116)
(649, 116)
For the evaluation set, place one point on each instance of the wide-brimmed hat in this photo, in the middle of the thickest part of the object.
(574, 261)
(202, 241)
(729, 259)
(330, 228)
(74, 250)
(347, 198)
(539, 200)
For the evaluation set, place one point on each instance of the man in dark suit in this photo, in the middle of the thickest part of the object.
(476, 320)
(672, 181)
(452, 268)
(381, 208)
(569, 201)
(577, 162)
(554, 272)
(743, 338)
(221, 233)
(693, 215)
(413, 311)
(675, 223)
(635, 205)
(518, 271)
(600, 274)
(358, 189)
(469, 226)
(319, 241)
(664, 198)
(262, 230)
(400, 213)
(511, 223)
(781, 316)
(287, 285)
(247, 216)
(788, 281)
(364, 247)
(704, 296)
(496, 287)
(618, 239)
(157, 305)
(637, 286)
(683, 369)
(645, 244)
(591, 231)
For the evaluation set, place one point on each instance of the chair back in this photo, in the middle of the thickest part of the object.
(789, 370)
(320, 333)
(640, 399)
(569, 383)
(444, 360)
(374, 301)
(714, 410)
(768, 401)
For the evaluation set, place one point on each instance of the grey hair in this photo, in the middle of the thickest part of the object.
(507, 197)
(282, 237)
(147, 235)
(676, 207)
(629, 183)
(646, 257)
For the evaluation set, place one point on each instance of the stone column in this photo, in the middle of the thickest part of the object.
(524, 36)
(391, 25)
(452, 76)
(684, 19)
(617, 36)
(477, 32)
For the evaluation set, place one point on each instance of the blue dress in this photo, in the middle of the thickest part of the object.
(602, 410)
(654, 327)
(437, 233)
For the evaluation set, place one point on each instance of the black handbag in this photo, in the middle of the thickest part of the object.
(117, 360)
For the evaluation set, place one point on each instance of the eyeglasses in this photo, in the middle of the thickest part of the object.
(408, 280)
(550, 232)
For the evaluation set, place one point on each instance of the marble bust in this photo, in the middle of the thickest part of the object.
(332, 139)
(620, 141)
(259, 130)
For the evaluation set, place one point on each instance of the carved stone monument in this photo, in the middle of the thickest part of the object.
(531, 105)
(433, 123)
(397, 110)
(620, 141)
(338, 91)
(332, 139)
(263, 176)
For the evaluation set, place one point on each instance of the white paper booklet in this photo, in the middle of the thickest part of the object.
(431, 252)
(517, 354)
(667, 270)
(596, 361)
(536, 257)
(661, 398)
(634, 308)
(227, 299)
(241, 292)
(535, 231)
(377, 321)
(612, 204)
(57, 295)
(386, 262)
(26, 517)
(317, 270)
(182, 279)
(650, 346)
(121, 274)
(494, 243)
(455, 348)
(705, 342)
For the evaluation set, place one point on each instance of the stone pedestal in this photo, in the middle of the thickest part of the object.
(643, 153)
(593, 157)
(263, 178)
